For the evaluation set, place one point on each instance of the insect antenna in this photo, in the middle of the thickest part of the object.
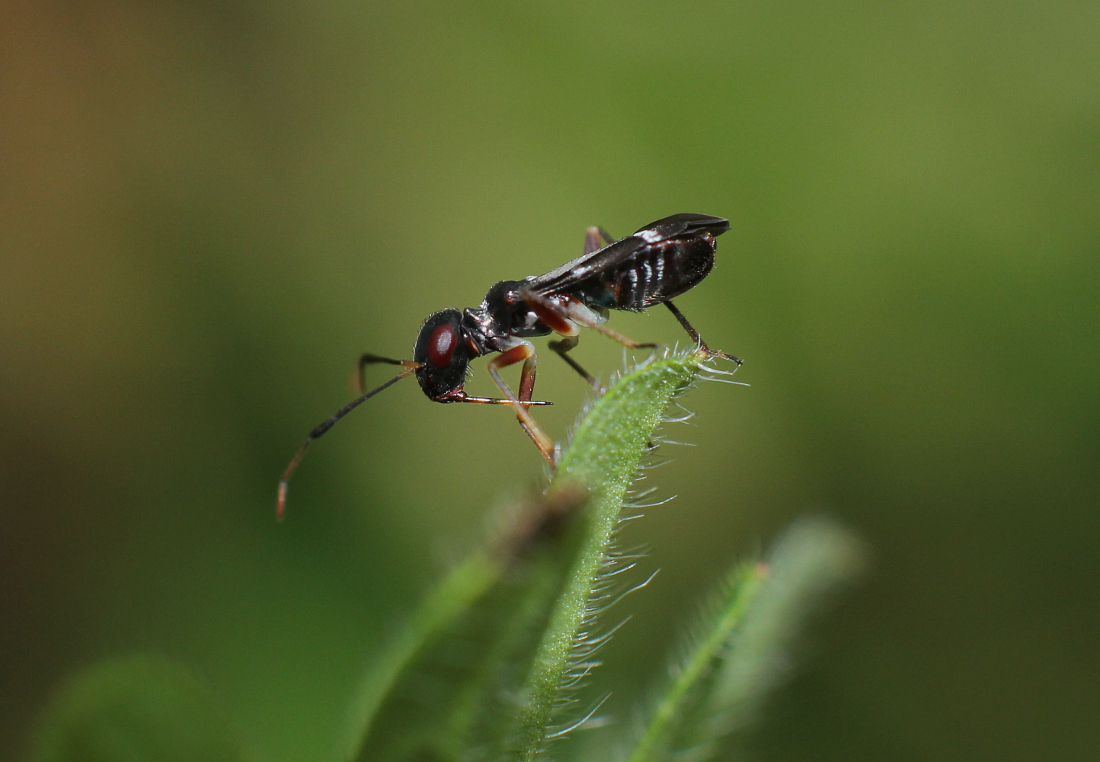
(320, 429)
(369, 359)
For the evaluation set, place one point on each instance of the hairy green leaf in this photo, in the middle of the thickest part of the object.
(446, 690)
(603, 458)
(747, 651)
(680, 703)
(478, 671)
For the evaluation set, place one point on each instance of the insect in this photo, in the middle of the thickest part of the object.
(652, 266)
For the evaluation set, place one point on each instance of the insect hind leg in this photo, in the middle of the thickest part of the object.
(592, 238)
(697, 338)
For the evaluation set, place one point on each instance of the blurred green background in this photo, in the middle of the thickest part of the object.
(207, 210)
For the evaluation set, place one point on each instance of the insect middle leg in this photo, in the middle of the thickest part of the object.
(524, 353)
(564, 319)
(569, 342)
(562, 347)
(697, 338)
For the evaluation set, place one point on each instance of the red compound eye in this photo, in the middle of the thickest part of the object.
(441, 346)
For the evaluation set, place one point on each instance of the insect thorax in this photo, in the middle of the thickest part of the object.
(501, 316)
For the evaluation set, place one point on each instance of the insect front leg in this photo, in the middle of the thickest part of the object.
(525, 353)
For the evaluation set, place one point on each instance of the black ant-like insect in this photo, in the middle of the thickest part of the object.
(659, 262)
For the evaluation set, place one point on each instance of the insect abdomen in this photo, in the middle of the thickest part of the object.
(660, 272)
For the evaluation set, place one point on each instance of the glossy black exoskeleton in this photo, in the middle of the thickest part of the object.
(653, 266)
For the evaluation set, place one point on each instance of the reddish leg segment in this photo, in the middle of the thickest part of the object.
(592, 238)
(524, 353)
(564, 319)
